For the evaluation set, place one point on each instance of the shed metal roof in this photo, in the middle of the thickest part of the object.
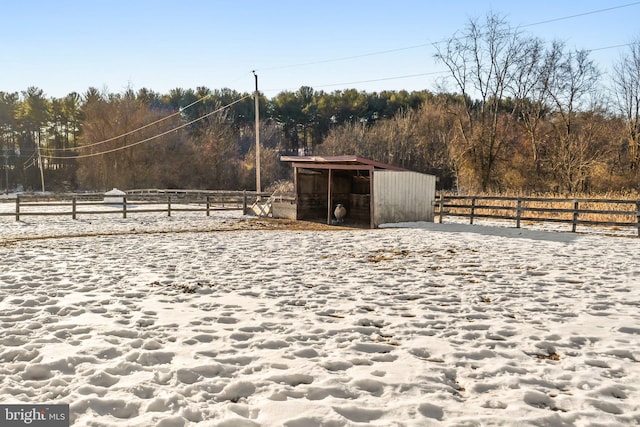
(347, 162)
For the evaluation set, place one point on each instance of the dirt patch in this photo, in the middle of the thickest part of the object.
(283, 224)
(230, 225)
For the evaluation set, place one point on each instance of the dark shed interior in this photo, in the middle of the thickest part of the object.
(351, 188)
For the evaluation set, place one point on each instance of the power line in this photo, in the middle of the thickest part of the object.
(382, 52)
(81, 156)
(29, 160)
(428, 74)
(345, 58)
(181, 109)
(408, 76)
(581, 14)
(431, 73)
(609, 47)
(134, 130)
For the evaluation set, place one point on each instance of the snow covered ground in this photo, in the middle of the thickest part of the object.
(209, 321)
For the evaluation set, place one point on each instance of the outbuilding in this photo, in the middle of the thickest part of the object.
(114, 197)
(372, 193)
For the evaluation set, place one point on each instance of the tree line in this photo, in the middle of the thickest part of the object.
(183, 139)
(515, 113)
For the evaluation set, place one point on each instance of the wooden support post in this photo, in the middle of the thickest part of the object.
(329, 199)
(168, 205)
(518, 212)
(17, 208)
(372, 206)
(574, 222)
(638, 216)
(295, 188)
(208, 206)
(124, 207)
(73, 207)
(473, 210)
(441, 203)
(244, 202)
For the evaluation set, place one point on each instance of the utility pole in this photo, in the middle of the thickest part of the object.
(257, 107)
(40, 163)
(5, 153)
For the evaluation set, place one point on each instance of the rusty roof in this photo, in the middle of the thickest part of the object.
(325, 161)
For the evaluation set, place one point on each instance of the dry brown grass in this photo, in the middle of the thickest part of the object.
(611, 202)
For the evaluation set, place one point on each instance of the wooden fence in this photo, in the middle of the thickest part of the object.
(588, 212)
(574, 212)
(163, 201)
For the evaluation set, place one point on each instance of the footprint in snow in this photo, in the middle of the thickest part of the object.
(358, 415)
(429, 410)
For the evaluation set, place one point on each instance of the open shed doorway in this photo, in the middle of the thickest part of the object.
(319, 191)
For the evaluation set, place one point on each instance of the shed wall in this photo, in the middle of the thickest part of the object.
(402, 196)
(284, 209)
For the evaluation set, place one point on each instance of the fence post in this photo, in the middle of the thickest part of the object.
(208, 205)
(518, 212)
(17, 207)
(638, 215)
(441, 203)
(73, 207)
(124, 207)
(473, 210)
(168, 205)
(244, 202)
(575, 216)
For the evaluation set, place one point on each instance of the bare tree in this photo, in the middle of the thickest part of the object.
(571, 89)
(482, 62)
(626, 85)
(530, 90)
(111, 149)
(345, 139)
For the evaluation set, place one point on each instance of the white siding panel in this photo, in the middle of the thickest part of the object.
(402, 196)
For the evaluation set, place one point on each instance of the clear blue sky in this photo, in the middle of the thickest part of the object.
(62, 46)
